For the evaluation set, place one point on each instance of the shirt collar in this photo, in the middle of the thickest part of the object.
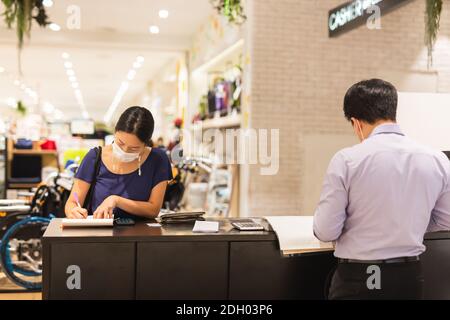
(387, 128)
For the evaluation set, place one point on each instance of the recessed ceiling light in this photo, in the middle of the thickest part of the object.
(11, 102)
(75, 85)
(70, 72)
(65, 55)
(68, 65)
(47, 3)
(54, 27)
(137, 65)
(73, 79)
(154, 29)
(131, 74)
(2, 69)
(140, 59)
(163, 14)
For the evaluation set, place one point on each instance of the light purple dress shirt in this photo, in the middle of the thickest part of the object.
(380, 197)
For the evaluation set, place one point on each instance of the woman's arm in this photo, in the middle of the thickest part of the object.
(71, 209)
(147, 209)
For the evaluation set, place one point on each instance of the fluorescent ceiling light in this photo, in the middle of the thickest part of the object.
(85, 115)
(163, 14)
(48, 107)
(131, 74)
(54, 27)
(47, 3)
(11, 102)
(154, 29)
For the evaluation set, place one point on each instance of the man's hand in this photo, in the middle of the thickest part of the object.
(105, 210)
(77, 213)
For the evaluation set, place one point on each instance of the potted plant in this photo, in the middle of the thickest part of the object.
(21, 13)
(432, 19)
(232, 9)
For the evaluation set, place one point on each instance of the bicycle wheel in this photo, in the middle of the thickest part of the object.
(21, 252)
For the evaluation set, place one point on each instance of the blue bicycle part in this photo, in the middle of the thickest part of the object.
(8, 266)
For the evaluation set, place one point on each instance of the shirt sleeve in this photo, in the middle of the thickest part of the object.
(330, 214)
(440, 215)
(163, 170)
(86, 170)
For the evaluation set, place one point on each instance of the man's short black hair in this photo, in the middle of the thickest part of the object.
(371, 101)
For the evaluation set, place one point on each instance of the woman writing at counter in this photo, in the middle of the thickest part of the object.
(132, 177)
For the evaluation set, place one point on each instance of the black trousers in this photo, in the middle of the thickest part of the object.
(389, 281)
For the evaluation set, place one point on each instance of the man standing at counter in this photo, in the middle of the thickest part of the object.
(379, 198)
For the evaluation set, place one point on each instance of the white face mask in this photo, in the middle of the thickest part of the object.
(122, 155)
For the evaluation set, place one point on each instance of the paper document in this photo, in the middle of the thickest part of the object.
(295, 235)
(89, 222)
(206, 226)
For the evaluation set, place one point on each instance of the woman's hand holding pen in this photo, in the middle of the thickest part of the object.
(105, 210)
(77, 212)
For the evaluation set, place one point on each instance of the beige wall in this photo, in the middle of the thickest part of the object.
(298, 79)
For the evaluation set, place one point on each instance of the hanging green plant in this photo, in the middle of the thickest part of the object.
(22, 13)
(432, 19)
(232, 9)
(21, 108)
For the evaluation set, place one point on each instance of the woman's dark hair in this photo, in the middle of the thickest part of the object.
(370, 101)
(138, 121)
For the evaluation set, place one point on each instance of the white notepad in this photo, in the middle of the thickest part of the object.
(295, 235)
(206, 226)
(86, 223)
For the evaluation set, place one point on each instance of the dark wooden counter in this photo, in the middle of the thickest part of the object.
(172, 262)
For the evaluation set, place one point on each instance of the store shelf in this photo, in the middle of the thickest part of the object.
(35, 152)
(22, 185)
(220, 123)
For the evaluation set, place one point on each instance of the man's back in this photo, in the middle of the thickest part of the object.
(388, 186)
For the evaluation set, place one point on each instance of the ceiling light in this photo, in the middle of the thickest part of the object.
(73, 79)
(65, 55)
(48, 107)
(22, 87)
(70, 72)
(11, 102)
(154, 29)
(68, 65)
(54, 27)
(131, 74)
(2, 69)
(140, 59)
(137, 65)
(58, 115)
(85, 115)
(47, 3)
(16, 82)
(163, 14)
(75, 85)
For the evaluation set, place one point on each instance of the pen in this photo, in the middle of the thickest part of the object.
(75, 195)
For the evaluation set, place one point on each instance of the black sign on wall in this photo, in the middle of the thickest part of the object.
(354, 13)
